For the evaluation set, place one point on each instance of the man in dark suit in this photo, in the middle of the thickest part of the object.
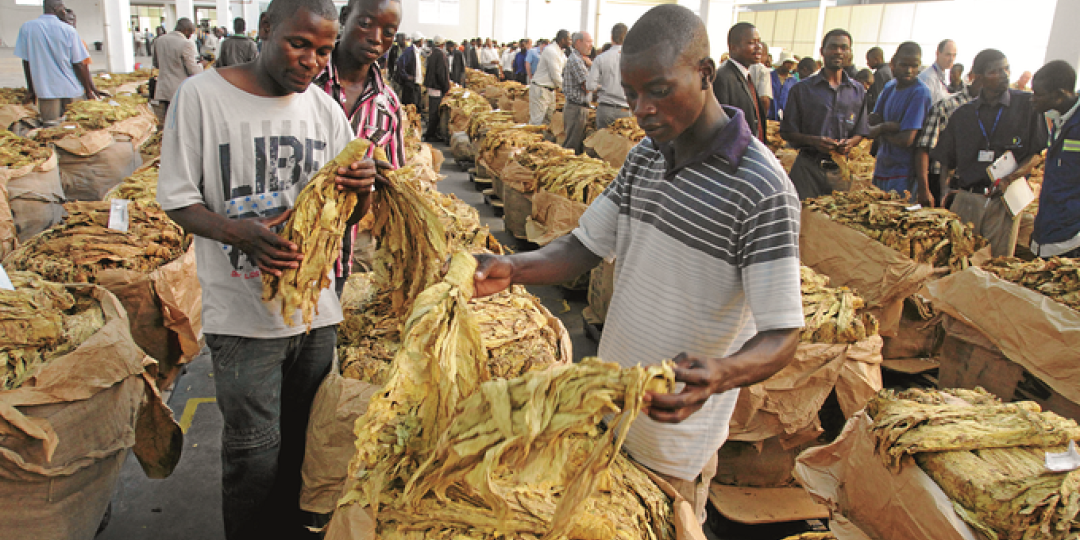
(472, 53)
(732, 85)
(437, 81)
(457, 63)
(408, 72)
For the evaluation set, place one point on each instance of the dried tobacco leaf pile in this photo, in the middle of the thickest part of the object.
(141, 186)
(627, 127)
(41, 320)
(112, 80)
(537, 154)
(411, 131)
(16, 151)
(465, 100)
(832, 313)
(987, 456)
(445, 453)
(857, 167)
(478, 80)
(83, 245)
(578, 178)
(772, 136)
(12, 96)
(316, 227)
(55, 133)
(480, 122)
(152, 146)
(1058, 278)
(933, 236)
(509, 138)
(93, 115)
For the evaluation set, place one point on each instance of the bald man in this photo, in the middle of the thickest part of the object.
(176, 58)
(52, 56)
(703, 226)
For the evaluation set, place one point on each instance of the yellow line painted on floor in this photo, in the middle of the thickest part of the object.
(189, 412)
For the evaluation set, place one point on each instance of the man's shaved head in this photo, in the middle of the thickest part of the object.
(673, 26)
(53, 6)
(280, 10)
(184, 25)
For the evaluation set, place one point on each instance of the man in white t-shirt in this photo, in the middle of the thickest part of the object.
(239, 145)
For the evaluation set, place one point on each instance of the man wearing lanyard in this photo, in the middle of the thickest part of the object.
(936, 77)
(1000, 120)
(1057, 226)
(372, 107)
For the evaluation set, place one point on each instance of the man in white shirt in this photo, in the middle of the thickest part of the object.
(937, 75)
(210, 42)
(489, 59)
(508, 55)
(547, 78)
(605, 80)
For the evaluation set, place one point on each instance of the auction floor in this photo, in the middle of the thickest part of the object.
(186, 505)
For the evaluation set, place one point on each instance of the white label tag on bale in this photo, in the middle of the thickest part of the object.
(5, 281)
(118, 215)
(114, 103)
(1063, 461)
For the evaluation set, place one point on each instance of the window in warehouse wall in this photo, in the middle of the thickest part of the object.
(444, 12)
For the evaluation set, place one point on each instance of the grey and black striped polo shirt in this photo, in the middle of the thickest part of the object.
(706, 255)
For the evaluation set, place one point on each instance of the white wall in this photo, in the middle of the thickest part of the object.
(88, 12)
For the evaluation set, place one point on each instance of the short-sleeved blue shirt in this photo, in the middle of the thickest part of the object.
(908, 107)
(51, 46)
(533, 58)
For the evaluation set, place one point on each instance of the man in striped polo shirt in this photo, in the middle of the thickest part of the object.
(703, 226)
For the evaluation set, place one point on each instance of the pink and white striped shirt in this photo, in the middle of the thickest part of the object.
(376, 116)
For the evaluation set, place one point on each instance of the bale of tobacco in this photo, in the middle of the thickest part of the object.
(1057, 277)
(41, 320)
(832, 314)
(934, 236)
(988, 457)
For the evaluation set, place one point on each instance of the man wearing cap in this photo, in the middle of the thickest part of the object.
(783, 79)
(437, 81)
(408, 72)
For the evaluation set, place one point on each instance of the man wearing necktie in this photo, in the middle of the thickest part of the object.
(733, 85)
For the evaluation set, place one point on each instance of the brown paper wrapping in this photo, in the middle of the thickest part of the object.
(557, 127)
(601, 287)
(851, 480)
(9, 114)
(519, 177)
(165, 308)
(553, 216)
(1031, 329)
(517, 207)
(610, 147)
(786, 405)
(11, 189)
(521, 111)
(35, 446)
(879, 274)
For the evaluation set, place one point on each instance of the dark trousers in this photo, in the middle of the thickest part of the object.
(410, 94)
(264, 389)
(432, 132)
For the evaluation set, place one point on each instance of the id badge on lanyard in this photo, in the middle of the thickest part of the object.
(987, 155)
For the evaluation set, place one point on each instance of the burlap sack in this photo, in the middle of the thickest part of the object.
(36, 199)
(461, 147)
(165, 308)
(553, 216)
(521, 111)
(517, 207)
(65, 433)
(91, 165)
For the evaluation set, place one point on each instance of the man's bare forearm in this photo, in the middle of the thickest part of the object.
(762, 357)
(560, 261)
(197, 219)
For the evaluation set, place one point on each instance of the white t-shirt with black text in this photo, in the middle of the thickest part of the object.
(245, 156)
